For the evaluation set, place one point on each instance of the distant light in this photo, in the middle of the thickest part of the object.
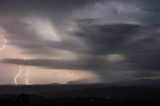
(114, 57)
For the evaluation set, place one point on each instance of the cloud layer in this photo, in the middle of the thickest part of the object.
(110, 38)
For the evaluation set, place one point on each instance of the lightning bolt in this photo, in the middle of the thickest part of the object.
(20, 67)
(18, 74)
(4, 45)
(27, 77)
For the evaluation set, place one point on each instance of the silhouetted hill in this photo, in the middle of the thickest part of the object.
(139, 83)
(96, 90)
(128, 93)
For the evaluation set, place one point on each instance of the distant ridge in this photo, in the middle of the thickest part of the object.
(132, 83)
(139, 83)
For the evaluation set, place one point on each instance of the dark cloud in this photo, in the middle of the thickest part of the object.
(55, 10)
(25, 7)
(13, 14)
(152, 9)
(108, 36)
(143, 74)
(138, 45)
(60, 14)
(58, 64)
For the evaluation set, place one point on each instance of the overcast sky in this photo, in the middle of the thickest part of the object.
(81, 41)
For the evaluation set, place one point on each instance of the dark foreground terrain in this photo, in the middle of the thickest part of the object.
(78, 95)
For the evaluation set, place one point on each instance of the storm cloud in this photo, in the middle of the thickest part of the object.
(118, 47)
(103, 37)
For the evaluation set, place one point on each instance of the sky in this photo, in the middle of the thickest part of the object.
(79, 41)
